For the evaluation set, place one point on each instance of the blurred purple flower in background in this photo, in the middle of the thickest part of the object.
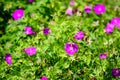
(72, 3)
(103, 56)
(30, 1)
(109, 28)
(30, 51)
(17, 14)
(110, 25)
(46, 31)
(87, 9)
(28, 30)
(118, 25)
(99, 9)
(116, 72)
(71, 48)
(44, 78)
(69, 11)
(8, 59)
(115, 20)
(75, 10)
(79, 35)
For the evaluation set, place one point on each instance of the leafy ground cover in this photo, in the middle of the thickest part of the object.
(59, 40)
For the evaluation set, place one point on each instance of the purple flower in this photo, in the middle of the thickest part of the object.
(87, 9)
(8, 59)
(44, 78)
(109, 28)
(72, 3)
(79, 35)
(69, 11)
(118, 25)
(99, 9)
(46, 31)
(30, 51)
(28, 30)
(116, 72)
(103, 56)
(71, 48)
(110, 25)
(30, 1)
(75, 10)
(115, 20)
(17, 14)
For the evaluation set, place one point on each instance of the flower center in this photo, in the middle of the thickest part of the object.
(117, 71)
(9, 58)
(71, 48)
(99, 9)
(30, 51)
(18, 15)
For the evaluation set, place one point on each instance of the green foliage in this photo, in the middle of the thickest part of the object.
(51, 59)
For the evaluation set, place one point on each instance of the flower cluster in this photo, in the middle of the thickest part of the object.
(70, 47)
(71, 9)
(16, 15)
(110, 26)
(98, 9)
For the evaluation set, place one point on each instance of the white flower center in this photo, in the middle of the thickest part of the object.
(99, 9)
(9, 58)
(71, 48)
(18, 15)
(30, 51)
